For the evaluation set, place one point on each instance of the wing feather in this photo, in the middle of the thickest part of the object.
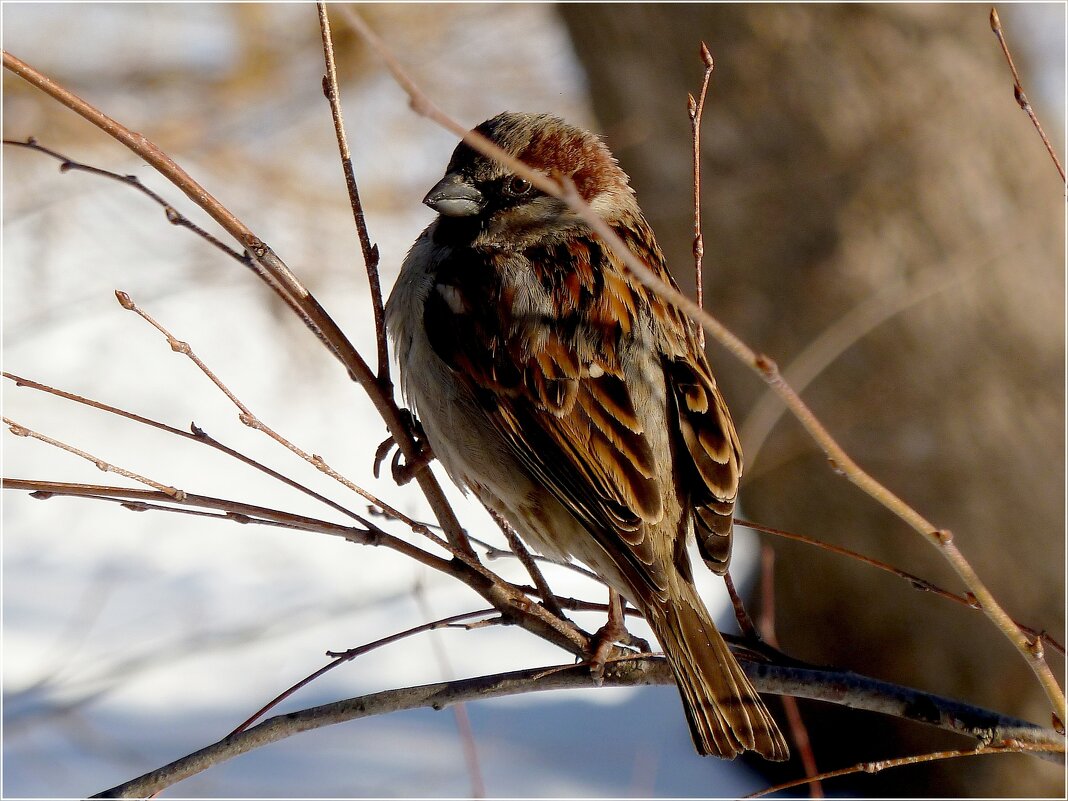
(556, 392)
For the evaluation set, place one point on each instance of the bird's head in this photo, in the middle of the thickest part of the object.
(498, 208)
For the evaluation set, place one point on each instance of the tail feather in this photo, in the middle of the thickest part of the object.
(725, 713)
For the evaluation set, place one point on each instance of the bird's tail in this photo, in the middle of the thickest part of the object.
(725, 714)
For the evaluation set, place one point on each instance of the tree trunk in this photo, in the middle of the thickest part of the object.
(872, 158)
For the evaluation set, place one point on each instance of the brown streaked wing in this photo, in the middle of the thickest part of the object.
(576, 431)
(704, 423)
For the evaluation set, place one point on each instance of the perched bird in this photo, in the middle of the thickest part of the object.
(574, 402)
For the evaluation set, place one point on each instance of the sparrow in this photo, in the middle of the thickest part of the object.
(574, 402)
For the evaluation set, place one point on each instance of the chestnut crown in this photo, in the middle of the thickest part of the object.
(478, 188)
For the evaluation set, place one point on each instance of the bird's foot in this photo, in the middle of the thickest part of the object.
(402, 471)
(611, 633)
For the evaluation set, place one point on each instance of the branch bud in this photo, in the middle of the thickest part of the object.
(943, 535)
(706, 56)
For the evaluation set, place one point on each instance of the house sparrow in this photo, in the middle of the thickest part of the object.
(574, 402)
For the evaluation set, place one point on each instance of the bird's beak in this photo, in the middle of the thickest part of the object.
(454, 197)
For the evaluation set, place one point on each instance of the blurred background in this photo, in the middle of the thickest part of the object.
(880, 218)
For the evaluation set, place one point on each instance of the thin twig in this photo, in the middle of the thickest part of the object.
(511, 601)
(766, 621)
(745, 623)
(139, 500)
(696, 109)
(174, 217)
(195, 434)
(1017, 89)
(884, 764)
(252, 421)
(459, 711)
(578, 605)
(370, 251)
(339, 658)
(22, 431)
(493, 552)
(520, 551)
(921, 584)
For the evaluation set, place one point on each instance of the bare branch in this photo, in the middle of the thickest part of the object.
(173, 215)
(885, 764)
(921, 584)
(339, 658)
(520, 551)
(139, 500)
(745, 622)
(196, 434)
(1017, 89)
(252, 421)
(370, 251)
(696, 108)
(511, 601)
(19, 430)
(848, 689)
(493, 552)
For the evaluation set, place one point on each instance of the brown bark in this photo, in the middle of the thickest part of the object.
(849, 150)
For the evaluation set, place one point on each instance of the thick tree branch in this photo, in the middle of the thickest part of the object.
(988, 728)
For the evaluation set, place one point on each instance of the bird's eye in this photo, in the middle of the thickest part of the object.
(518, 187)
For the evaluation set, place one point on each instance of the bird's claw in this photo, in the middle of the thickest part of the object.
(402, 471)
